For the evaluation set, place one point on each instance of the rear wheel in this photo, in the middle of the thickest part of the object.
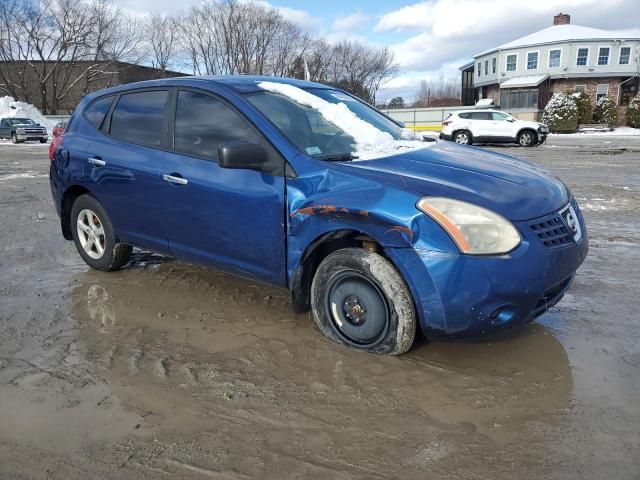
(527, 139)
(463, 137)
(94, 238)
(360, 300)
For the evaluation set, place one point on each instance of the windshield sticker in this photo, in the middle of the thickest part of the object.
(313, 150)
(342, 97)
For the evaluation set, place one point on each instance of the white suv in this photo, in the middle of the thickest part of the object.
(491, 126)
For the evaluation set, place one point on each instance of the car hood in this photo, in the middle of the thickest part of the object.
(516, 189)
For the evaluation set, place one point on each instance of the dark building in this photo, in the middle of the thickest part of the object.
(469, 92)
(66, 83)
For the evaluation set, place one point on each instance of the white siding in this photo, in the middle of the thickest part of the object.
(567, 66)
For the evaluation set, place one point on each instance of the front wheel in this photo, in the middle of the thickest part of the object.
(14, 138)
(527, 139)
(360, 300)
(94, 238)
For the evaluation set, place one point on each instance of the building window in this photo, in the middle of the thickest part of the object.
(554, 58)
(603, 56)
(519, 98)
(532, 60)
(512, 62)
(479, 69)
(494, 62)
(486, 67)
(625, 55)
(602, 90)
(580, 88)
(583, 57)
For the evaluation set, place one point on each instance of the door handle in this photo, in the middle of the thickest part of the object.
(97, 162)
(174, 179)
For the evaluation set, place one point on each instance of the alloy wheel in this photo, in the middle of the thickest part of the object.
(91, 234)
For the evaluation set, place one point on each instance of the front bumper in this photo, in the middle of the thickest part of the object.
(29, 137)
(466, 296)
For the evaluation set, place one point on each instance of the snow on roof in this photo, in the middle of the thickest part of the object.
(565, 33)
(526, 81)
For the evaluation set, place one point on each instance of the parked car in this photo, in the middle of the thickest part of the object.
(58, 128)
(491, 126)
(22, 129)
(273, 180)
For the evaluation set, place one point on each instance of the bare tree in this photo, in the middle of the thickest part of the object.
(162, 39)
(58, 44)
(438, 92)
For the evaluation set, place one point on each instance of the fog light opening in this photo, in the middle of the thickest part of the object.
(502, 314)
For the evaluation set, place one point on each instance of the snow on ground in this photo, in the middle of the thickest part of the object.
(370, 142)
(9, 107)
(616, 132)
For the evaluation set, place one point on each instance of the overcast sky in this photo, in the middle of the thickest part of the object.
(432, 36)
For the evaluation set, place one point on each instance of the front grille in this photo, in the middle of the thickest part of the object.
(552, 231)
(30, 131)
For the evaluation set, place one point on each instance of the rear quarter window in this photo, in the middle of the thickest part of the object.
(464, 115)
(96, 112)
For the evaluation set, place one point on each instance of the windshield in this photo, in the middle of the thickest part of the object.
(329, 124)
(22, 121)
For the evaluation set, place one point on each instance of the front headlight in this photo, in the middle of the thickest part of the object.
(475, 230)
(20, 131)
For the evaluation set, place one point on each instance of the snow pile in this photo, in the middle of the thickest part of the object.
(616, 132)
(370, 142)
(9, 107)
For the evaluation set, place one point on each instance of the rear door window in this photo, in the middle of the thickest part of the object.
(140, 118)
(481, 116)
(203, 122)
(96, 112)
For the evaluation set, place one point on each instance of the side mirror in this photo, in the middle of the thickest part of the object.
(242, 155)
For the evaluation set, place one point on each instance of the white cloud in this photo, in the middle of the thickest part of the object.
(444, 29)
(351, 22)
(302, 18)
(411, 17)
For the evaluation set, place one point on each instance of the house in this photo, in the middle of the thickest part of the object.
(67, 82)
(521, 75)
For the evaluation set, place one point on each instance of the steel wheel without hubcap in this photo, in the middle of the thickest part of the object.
(357, 308)
(526, 139)
(91, 233)
(462, 138)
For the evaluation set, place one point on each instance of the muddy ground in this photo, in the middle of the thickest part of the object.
(169, 370)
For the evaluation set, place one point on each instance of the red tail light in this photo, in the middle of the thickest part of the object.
(444, 124)
(53, 145)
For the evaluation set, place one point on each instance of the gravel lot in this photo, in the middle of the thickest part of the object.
(168, 370)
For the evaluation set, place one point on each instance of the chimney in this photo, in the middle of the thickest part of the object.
(562, 19)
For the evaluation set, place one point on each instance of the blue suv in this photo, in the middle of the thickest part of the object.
(305, 187)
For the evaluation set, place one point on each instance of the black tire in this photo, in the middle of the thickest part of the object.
(115, 254)
(387, 313)
(14, 139)
(527, 138)
(463, 137)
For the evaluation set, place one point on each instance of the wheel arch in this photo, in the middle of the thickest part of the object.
(68, 198)
(317, 250)
(527, 129)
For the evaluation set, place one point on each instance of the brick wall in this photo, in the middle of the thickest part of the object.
(493, 91)
(569, 84)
